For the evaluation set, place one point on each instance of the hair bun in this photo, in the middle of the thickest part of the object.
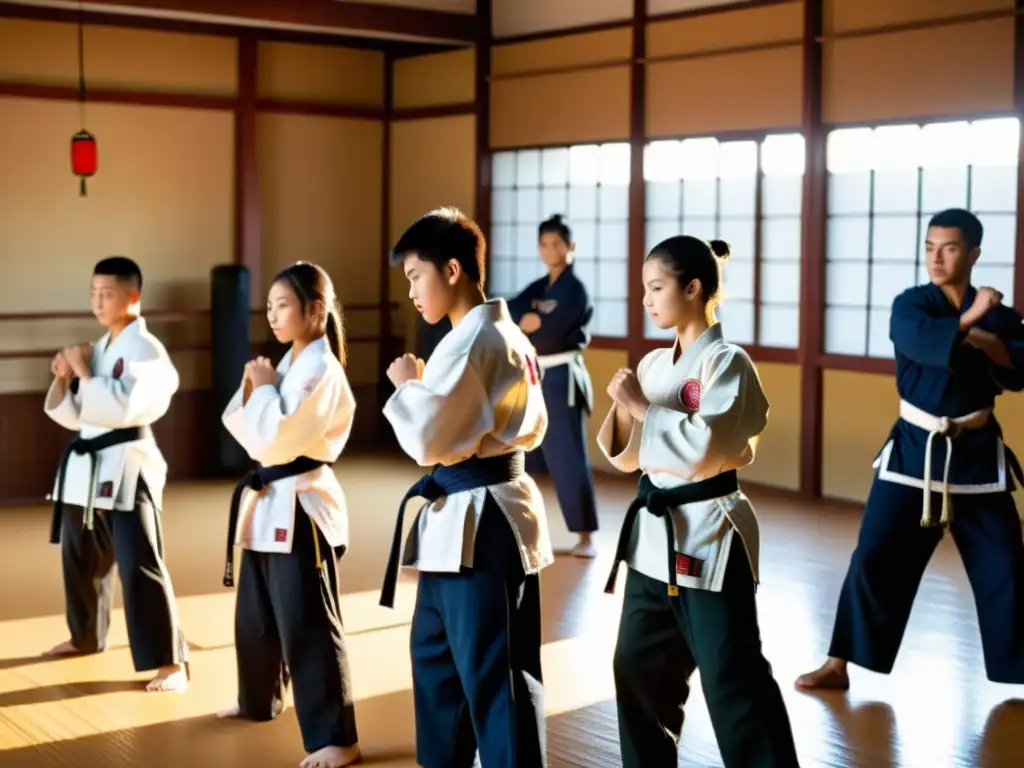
(556, 218)
(720, 248)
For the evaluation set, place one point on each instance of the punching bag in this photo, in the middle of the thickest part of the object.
(230, 351)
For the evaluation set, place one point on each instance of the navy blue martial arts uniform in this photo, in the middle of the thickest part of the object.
(565, 311)
(947, 392)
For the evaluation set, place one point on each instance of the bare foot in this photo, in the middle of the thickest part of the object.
(67, 648)
(332, 757)
(174, 678)
(584, 548)
(232, 711)
(830, 676)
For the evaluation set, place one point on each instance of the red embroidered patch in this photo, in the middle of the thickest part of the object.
(280, 534)
(309, 386)
(106, 490)
(688, 566)
(532, 370)
(118, 368)
(689, 395)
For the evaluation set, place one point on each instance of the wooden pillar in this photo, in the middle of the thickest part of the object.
(247, 188)
(1018, 105)
(386, 349)
(482, 214)
(812, 265)
(637, 186)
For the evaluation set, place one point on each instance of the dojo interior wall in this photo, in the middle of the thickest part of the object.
(165, 195)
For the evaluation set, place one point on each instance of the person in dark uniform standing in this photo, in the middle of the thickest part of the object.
(554, 313)
(957, 348)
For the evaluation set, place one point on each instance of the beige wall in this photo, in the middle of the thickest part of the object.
(164, 193)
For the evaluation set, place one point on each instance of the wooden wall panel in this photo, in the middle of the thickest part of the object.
(434, 80)
(909, 74)
(321, 74)
(854, 15)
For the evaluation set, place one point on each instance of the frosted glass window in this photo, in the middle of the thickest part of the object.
(747, 193)
(846, 330)
(779, 326)
(879, 343)
(885, 184)
(589, 186)
(737, 318)
(739, 279)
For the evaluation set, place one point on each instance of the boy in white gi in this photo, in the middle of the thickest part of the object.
(482, 538)
(109, 491)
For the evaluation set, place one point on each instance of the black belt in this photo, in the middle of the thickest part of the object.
(258, 479)
(660, 502)
(89, 447)
(467, 475)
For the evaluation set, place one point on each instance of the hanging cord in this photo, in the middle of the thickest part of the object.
(81, 85)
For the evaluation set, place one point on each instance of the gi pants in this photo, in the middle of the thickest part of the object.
(288, 629)
(663, 639)
(563, 453)
(891, 555)
(476, 658)
(134, 542)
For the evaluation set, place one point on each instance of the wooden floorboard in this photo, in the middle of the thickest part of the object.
(935, 711)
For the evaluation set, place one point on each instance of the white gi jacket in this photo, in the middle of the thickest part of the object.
(133, 380)
(707, 410)
(480, 395)
(310, 414)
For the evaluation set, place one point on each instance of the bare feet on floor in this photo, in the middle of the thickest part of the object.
(67, 648)
(174, 678)
(830, 676)
(332, 757)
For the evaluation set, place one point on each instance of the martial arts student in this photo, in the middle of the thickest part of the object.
(108, 496)
(482, 537)
(957, 348)
(689, 418)
(294, 421)
(554, 312)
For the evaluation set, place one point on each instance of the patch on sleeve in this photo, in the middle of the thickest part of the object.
(118, 368)
(689, 395)
(309, 386)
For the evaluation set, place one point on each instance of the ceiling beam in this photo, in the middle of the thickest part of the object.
(324, 14)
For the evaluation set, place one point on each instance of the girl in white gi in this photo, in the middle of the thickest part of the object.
(294, 422)
(689, 418)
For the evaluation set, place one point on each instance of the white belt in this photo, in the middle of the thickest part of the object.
(559, 358)
(939, 425)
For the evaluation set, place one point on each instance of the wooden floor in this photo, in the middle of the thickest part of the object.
(935, 711)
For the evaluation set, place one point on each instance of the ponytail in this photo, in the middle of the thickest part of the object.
(335, 333)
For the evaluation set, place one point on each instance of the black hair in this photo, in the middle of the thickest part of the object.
(123, 269)
(691, 258)
(442, 235)
(310, 282)
(957, 218)
(555, 226)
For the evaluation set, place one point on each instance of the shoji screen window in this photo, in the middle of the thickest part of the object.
(589, 186)
(748, 193)
(884, 185)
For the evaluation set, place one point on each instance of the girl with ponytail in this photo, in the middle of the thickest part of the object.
(294, 422)
(688, 419)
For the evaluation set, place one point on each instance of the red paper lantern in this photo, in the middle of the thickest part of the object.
(83, 156)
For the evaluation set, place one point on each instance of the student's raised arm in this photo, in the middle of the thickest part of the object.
(920, 336)
(442, 417)
(138, 396)
(732, 410)
(560, 321)
(619, 435)
(276, 428)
